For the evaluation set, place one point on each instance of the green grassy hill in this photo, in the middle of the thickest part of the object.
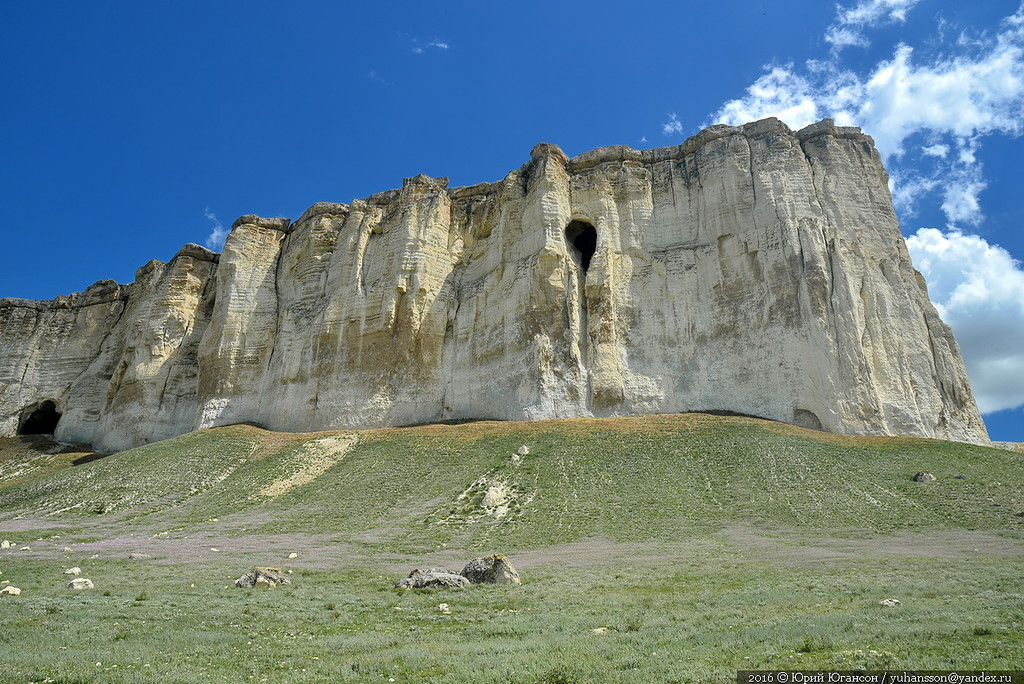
(653, 477)
(695, 545)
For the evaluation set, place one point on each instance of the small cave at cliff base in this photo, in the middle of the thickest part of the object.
(41, 420)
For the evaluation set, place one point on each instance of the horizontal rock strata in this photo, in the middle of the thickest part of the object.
(751, 269)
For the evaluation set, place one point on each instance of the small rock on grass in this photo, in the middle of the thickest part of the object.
(10, 591)
(293, 555)
(889, 602)
(81, 583)
(138, 556)
(924, 476)
(5, 544)
(73, 571)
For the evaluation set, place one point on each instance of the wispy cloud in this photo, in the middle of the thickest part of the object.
(215, 240)
(673, 126)
(929, 116)
(848, 28)
(420, 48)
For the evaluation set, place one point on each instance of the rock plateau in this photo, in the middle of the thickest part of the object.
(751, 269)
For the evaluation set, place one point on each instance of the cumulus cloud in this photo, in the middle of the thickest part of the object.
(215, 240)
(978, 289)
(781, 93)
(673, 126)
(848, 28)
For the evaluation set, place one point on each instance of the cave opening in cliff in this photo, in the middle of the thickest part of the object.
(583, 238)
(41, 421)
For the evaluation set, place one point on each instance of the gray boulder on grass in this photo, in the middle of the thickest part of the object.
(924, 476)
(81, 583)
(263, 578)
(432, 579)
(493, 569)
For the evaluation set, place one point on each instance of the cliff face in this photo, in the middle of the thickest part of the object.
(751, 269)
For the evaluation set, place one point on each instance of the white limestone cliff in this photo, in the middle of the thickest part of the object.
(751, 269)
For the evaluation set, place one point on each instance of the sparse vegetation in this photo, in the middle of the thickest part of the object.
(663, 548)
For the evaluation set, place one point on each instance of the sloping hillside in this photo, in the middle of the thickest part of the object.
(653, 477)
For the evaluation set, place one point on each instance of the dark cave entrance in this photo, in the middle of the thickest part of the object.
(41, 421)
(583, 238)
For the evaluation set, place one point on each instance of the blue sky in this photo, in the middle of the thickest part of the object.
(130, 128)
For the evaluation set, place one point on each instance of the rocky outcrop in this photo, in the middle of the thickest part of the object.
(262, 578)
(432, 579)
(493, 569)
(751, 269)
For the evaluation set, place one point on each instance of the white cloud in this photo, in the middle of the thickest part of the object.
(937, 150)
(847, 29)
(673, 126)
(781, 93)
(419, 48)
(960, 201)
(978, 289)
(215, 240)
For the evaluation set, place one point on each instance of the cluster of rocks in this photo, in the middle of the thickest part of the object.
(493, 569)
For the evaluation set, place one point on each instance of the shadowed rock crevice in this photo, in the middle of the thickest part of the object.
(583, 238)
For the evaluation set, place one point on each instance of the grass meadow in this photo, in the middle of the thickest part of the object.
(652, 549)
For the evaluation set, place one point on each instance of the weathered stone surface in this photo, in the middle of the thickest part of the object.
(81, 583)
(751, 269)
(10, 591)
(493, 569)
(73, 571)
(923, 476)
(432, 579)
(262, 578)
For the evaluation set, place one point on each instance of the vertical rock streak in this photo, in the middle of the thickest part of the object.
(751, 269)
